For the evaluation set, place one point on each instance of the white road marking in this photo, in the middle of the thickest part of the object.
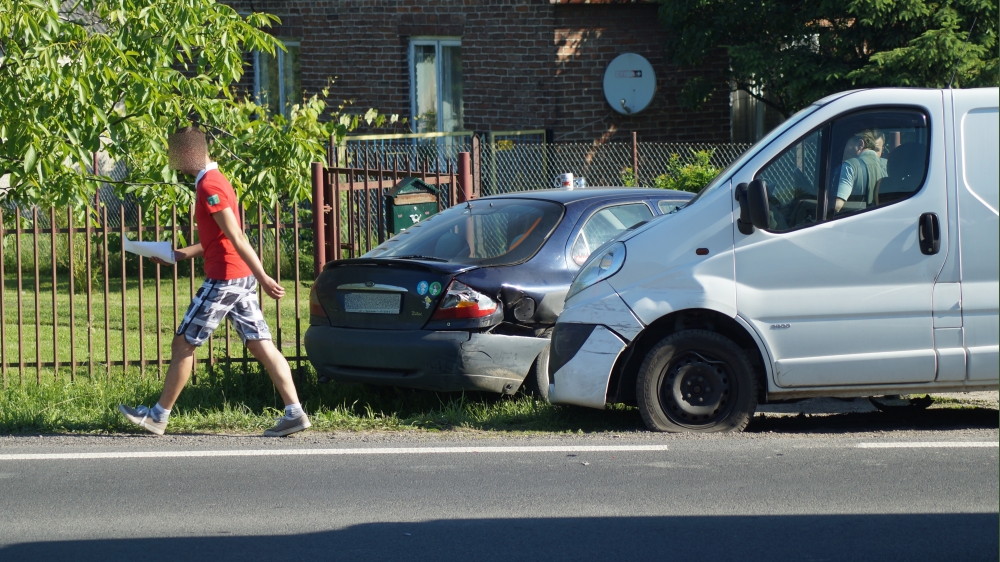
(928, 445)
(357, 451)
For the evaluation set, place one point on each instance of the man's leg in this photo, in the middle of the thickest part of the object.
(249, 321)
(277, 368)
(200, 320)
(179, 371)
(155, 419)
(295, 419)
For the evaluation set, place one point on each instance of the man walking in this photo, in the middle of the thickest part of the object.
(232, 273)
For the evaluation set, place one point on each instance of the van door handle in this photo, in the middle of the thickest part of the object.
(929, 233)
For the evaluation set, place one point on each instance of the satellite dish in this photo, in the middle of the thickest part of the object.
(629, 83)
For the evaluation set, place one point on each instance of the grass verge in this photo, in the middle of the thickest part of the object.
(230, 400)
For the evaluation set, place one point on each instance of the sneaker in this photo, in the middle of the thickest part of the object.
(288, 426)
(141, 416)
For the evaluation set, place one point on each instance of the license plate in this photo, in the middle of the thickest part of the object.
(372, 303)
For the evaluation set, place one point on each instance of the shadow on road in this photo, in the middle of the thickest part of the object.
(948, 536)
(943, 419)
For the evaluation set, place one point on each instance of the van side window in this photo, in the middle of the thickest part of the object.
(605, 225)
(857, 162)
(793, 182)
(877, 158)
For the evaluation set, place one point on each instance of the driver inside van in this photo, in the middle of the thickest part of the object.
(858, 174)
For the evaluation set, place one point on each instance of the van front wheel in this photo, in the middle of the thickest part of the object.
(696, 380)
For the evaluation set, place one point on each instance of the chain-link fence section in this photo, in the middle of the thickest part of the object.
(794, 171)
(524, 160)
(509, 167)
(432, 152)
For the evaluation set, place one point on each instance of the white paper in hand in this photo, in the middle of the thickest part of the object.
(161, 250)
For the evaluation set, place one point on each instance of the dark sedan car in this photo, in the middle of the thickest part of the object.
(465, 299)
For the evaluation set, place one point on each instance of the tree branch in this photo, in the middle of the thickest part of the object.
(123, 182)
(231, 153)
(740, 85)
(210, 126)
(227, 133)
(123, 118)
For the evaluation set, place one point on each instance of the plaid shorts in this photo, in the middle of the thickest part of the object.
(216, 300)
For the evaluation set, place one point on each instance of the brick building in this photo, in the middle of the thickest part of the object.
(482, 65)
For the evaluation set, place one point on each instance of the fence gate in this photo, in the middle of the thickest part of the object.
(352, 187)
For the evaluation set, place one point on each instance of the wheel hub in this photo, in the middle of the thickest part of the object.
(696, 389)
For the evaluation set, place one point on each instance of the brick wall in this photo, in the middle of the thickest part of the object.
(586, 39)
(527, 64)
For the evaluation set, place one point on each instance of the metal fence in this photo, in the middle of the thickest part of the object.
(507, 161)
(509, 167)
(352, 188)
(73, 302)
(418, 151)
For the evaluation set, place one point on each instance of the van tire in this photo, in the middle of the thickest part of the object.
(537, 382)
(689, 367)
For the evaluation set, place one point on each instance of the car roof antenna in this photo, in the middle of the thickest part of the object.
(960, 57)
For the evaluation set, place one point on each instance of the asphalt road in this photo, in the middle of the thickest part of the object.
(769, 495)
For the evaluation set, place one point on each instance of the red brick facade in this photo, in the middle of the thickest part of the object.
(527, 64)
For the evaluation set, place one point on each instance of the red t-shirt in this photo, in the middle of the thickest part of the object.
(213, 194)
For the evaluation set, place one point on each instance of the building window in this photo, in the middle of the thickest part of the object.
(436, 85)
(278, 78)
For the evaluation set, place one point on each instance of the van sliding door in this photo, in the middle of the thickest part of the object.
(976, 133)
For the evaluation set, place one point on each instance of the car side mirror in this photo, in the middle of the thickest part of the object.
(743, 222)
(760, 211)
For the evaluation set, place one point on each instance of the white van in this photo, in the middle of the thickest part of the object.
(851, 252)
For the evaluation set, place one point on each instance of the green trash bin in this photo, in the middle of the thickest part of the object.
(411, 201)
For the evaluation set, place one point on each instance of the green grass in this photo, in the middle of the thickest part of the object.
(120, 342)
(235, 400)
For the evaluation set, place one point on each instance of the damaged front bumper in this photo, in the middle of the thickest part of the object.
(423, 359)
(586, 343)
(583, 379)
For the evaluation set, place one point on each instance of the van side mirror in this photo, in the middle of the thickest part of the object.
(743, 222)
(760, 211)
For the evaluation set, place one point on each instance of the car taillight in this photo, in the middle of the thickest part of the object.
(462, 301)
(315, 308)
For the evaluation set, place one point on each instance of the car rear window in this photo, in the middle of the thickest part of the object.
(487, 232)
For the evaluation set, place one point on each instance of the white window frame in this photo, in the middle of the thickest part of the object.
(258, 87)
(437, 42)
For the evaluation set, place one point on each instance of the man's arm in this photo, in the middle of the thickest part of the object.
(227, 222)
(845, 186)
(181, 254)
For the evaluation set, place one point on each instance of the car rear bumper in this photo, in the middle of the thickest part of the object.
(424, 359)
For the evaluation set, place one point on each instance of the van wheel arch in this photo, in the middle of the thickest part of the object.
(621, 387)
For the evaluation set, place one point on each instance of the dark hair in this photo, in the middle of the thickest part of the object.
(871, 136)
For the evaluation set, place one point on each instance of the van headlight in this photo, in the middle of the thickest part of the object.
(604, 263)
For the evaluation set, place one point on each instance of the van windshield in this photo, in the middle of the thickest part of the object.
(722, 178)
(487, 232)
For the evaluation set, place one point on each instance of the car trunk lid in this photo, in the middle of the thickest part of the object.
(384, 294)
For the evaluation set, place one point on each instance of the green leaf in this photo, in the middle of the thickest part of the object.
(29, 158)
